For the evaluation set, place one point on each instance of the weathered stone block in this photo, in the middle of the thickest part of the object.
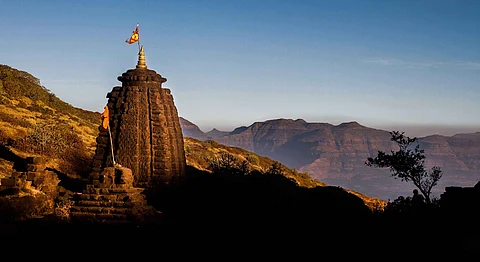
(31, 175)
(93, 209)
(35, 160)
(89, 197)
(103, 139)
(9, 182)
(77, 215)
(124, 176)
(16, 174)
(89, 203)
(31, 167)
(111, 197)
(123, 210)
(100, 150)
(38, 181)
(98, 157)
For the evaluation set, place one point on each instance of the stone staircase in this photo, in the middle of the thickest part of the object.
(111, 198)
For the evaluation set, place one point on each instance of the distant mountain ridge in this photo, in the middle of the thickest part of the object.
(192, 130)
(335, 154)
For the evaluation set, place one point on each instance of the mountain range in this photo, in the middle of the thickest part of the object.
(336, 154)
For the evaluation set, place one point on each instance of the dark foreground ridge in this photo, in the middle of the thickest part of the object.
(258, 216)
(234, 238)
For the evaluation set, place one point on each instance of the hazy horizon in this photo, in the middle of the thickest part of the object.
(410, 130)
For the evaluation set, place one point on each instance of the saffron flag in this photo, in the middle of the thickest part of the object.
(134, 38)
(105, 118)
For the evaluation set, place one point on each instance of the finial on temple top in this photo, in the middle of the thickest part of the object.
(141, 59)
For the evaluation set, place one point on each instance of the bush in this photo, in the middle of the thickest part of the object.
(58, 142)
(253, 159)
(52, 140)
(62, 209)
(228, 164)
(411, 207)
(211, 142)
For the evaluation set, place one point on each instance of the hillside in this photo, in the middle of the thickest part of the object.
(336, 154)
(35, 122)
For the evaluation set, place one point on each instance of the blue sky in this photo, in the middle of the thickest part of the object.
(407, 65)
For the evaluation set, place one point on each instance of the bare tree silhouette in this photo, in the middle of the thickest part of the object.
(408, 164)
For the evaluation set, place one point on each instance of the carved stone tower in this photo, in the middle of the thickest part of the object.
(145, 129)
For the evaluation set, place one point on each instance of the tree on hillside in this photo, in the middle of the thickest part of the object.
(408, 164)
(228, 164)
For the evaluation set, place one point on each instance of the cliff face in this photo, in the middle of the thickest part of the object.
(336, 155)
(466, 147)
(189, 129)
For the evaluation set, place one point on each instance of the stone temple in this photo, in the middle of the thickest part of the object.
(146, 136)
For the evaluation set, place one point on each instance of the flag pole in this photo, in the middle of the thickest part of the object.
(138, 27)
(111, 144)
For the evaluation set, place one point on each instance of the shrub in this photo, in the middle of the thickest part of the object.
(228, 164)
(211, 142)
(253, 159)
(62, 209)
(58, 142)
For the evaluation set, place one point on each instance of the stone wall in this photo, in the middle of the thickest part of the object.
(29, 192)
(32, 176)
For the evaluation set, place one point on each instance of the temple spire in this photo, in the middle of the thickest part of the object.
(141, 59)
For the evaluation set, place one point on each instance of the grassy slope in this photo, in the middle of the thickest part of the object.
(24, 105)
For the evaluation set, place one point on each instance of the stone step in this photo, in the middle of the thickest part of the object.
(100, 203)
(99, 217)
(127, 197)
(98, 197)
(101, 210)
(120, 217)
(110, 191)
